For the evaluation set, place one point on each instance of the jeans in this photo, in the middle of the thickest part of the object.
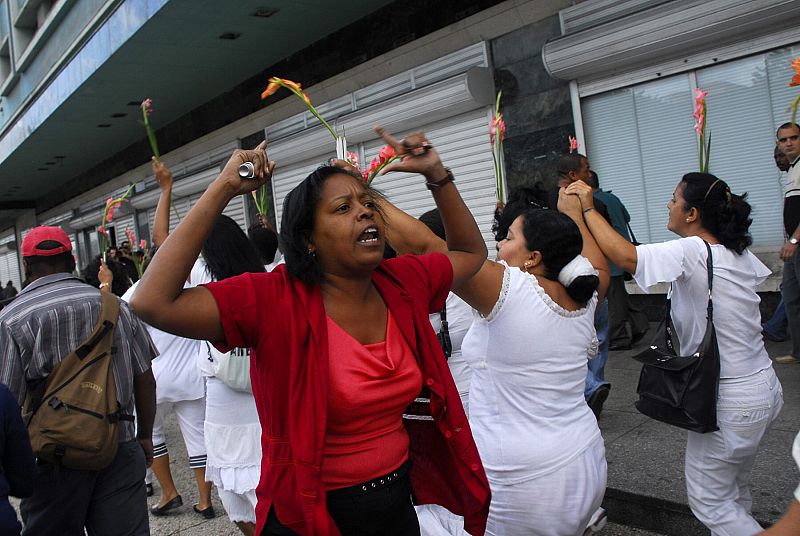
(777, 325)
(595, 373)
(791, 300)
(718, 464)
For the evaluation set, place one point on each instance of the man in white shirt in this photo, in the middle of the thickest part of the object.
(789, 142)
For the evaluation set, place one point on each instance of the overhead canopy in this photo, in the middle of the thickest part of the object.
(605, 44)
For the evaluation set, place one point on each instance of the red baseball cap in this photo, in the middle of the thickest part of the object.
(32, 240)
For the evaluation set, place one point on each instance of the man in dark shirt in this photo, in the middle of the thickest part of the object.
(574, 167)
(620, 310)
(789, 142)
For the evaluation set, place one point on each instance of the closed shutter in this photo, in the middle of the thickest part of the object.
(122, 223)
(462, 142)
(235, 210)
(9, 263)
(640, 139)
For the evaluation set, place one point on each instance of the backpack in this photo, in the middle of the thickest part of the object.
(72, 415)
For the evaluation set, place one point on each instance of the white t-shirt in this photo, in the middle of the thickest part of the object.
(459, 319)
(174, 369)
(528, 360)
(737, 318)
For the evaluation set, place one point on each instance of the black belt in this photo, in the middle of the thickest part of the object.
(373, 485)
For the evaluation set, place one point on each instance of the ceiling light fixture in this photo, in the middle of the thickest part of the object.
(118, 115)
(103, 125)
(264, 12)
(230, 36)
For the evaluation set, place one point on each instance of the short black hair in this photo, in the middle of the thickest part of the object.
(433, 219)
(593, 180)
(298, 219)
(228, 252)
(786, 125)
(569, 162)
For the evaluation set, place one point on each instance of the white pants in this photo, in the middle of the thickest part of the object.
(191, 416)
(557, 504)
(718, 464)
(435, 520)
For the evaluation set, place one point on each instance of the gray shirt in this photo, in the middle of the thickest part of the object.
(52, 317)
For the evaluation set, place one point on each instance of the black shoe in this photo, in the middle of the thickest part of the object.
(636, 337)
(172, 504)
(149, 488)
(207, 513)
(598, 398)
(618, 347)
(770, 337)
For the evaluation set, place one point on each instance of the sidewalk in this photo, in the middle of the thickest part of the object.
(646, 486)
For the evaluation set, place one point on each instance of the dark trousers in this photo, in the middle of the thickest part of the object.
(621, 311)
(109, 502)
(386, 511)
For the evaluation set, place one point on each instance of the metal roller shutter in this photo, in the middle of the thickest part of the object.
(122, 223)
(235, 209)
(463, 143)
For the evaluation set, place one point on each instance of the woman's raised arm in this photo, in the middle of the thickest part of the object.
(465, 246)
(160, 299)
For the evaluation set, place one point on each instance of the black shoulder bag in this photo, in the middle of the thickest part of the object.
(681, 390)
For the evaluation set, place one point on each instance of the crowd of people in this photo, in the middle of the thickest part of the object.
(379, 374)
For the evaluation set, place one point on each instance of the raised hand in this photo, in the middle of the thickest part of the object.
(415, 155)
(584, 193)
(162, 173)
(233, 183)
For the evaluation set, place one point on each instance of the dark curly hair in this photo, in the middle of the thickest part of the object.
(298, 220)
(722, 213)
(559, 240)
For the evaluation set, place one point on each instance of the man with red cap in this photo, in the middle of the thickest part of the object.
(49, 319)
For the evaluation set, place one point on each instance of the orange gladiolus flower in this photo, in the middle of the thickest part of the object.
(290, 84)
(796, 78)
(271, 88)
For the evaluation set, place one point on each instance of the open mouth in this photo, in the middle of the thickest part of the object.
(369, 236)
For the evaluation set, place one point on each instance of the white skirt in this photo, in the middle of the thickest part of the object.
(233, 438)
(560, 503)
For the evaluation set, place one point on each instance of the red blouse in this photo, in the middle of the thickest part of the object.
(370, 386)
(283, 321)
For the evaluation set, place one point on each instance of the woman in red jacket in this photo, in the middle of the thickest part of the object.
(341, 344)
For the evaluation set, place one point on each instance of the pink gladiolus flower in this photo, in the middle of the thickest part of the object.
(365, 175)
(387, 153)
(374, 165)
(102, 230)
(796, 78)
(147, 106)
(142, 244)
(352, 158)
(573, 144)
(497, 129)
(109, 201)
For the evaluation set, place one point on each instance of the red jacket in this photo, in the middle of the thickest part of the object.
(283, 321)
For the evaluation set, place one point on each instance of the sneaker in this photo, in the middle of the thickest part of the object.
(787, 360)
(598, 398)
(597, 522)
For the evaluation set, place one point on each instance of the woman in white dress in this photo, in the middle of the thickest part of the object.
(527, 349)
(232, 430)
(750, 397)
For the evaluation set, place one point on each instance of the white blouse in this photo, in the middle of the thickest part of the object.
(737, 318)
(528, 360)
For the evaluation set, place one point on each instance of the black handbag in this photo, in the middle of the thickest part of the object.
(681, 390)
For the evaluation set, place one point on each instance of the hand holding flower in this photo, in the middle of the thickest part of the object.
(105, 275)
(162, 173)
(416, 155)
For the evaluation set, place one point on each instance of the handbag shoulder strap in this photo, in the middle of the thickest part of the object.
(709, 307)
(710, 269)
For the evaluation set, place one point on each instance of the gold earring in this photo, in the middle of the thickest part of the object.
(688, 221)
(527, 264)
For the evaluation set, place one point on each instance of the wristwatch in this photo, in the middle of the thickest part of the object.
(103, 285)
(792, 240)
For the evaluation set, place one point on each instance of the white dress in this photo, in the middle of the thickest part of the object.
(232, 433)
(538, 440)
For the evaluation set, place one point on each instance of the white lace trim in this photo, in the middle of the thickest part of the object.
(501, 299)
(549, 302)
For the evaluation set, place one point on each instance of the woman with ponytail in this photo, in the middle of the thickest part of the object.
(534, 327)
(750, 397)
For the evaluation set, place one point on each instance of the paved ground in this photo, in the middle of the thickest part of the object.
(646, 493)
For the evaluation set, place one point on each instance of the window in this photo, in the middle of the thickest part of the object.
(640, 139)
